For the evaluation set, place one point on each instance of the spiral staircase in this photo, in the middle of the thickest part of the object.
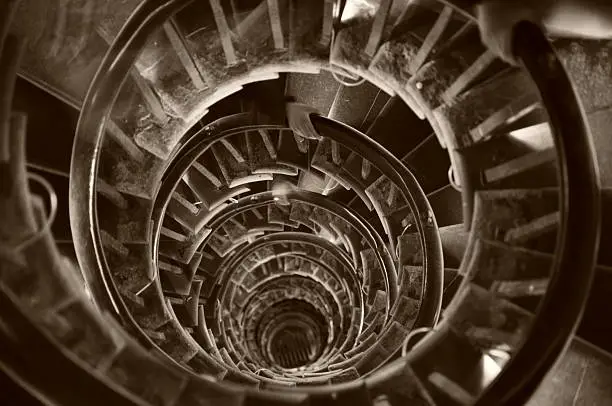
(298, 202)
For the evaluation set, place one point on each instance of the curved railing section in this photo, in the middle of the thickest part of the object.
(216, 272)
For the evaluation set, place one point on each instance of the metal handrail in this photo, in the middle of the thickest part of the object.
(560, 311)
(578, 237)
(112, 73)
(579, 215)
(425, 222)
(222, 128)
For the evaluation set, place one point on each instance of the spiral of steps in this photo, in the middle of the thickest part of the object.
(295, 202)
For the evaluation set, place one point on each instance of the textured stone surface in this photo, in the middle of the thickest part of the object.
(394, 58)
(414, 276)
(392, 339)
(315, 90)
(601, 128)
(589, 64)
(478, 104)
(373, 357)
(131, 273)
(386, 196)
(432, 80)
(410, 250)
(153, 314)
(127, 175)
(301, 213)
(406, 311)
(231, 166)
(489, 321)
(133, 222)
(497, 212)
(259, 156)
(493, 261)
(350, 43)
(175, 343)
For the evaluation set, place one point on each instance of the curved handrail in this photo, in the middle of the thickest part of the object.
(354, 220)
(580, 207)
(427, 228)
(263, 199)
(238, 123)
(578, 239)
(104, 89)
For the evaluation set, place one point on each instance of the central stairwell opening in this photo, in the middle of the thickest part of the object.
(297, 202)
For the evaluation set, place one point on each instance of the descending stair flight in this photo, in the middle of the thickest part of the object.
(290, 202)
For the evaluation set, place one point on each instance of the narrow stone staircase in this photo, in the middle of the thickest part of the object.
(352, 199)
